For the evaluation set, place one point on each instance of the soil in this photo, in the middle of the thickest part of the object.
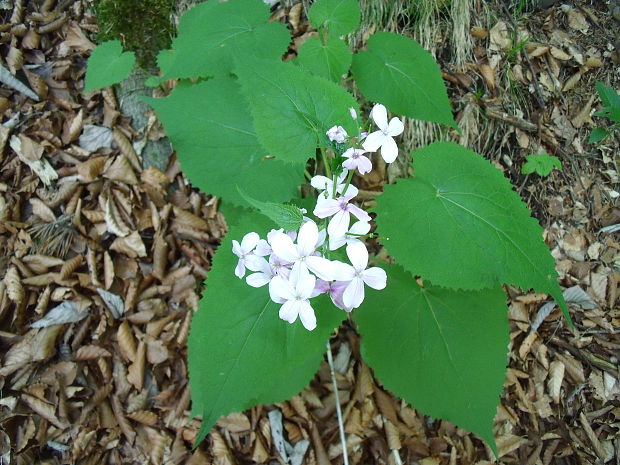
(123, 248)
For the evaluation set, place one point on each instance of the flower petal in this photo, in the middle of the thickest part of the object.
(240, 268)
(236, 248)
(358, 212)
(339, 224)
(289, 310)
(364, 165)
(326, 207)
(282, 288)
(373, 141)
(361, 227)
(308, 238)
(306, 314)
(258, 279)
(379, 115)
(396, 127)
(354, 293)
(249, 241)
(284, 248)
(305, 285)
(322, 267)
(375, 277)
(335, 242)
(273, 296)
(389, 150)
(358, 255)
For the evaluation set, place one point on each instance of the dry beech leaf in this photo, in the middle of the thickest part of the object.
(156, 352)
(41, 210)
(73, 129)
(124, 425)
(131, 245)
(108, 270)
(135, 373)
(154, 177)
(188, 219)
(14, 287)
(31, 40)
(127, 149)
(145, 417)
(488, 75)
(95, 137)
(112, 302)
(30, 153)
(126, 341)
(114, 223)
(66, 312)
(37, 84)
(235, 423)
(554, 383)
(91, 352)
(76, 39)
(45, 409)
(14, 59)
(69, 267)
(121, 170)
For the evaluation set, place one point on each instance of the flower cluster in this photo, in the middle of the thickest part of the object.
(296, 265)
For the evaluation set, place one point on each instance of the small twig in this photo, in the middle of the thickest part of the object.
(343, 440)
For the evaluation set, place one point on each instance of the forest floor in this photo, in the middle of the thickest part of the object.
(102, 267)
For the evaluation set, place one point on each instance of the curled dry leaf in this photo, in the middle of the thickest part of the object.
(14, 287)
(73, 129)
(41, 210)
(70, 266)
(146, 417)
(91, 352)
(76, 39)
(94, 137)
(126, 341)
(127, 149)
(135, 373)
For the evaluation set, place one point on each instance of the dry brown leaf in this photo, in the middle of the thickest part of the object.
(156, 351)
(45, 409)
(14, 287)
(91, 352)
(113, 220)
(571, 82)
(76, 39)
(135, 373)
(235, 423)
(554, 383)
(127, 149)
(69, 267)
(130, 245)
(120, 170)
(146, 417)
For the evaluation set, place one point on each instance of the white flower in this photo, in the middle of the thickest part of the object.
(341, 210)
(244, 251)
(358, 229)
(294, 294)
(355, 159)
(358, 275)
(326, 185)
(353, 113)
(303, 252)
(337, 134)
(384, 137)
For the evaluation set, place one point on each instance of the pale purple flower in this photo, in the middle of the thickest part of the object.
(294, 294)
(353, 113)
(326, 185)
(384, 138)
(243, 251)
(358, 275)
(358, 229)
(335, 289)
(303, 253)
(355, 160)
(341, 210)
(337, 134)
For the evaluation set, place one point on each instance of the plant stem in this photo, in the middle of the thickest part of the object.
(349, 177)
(343, 440)
(328, 171)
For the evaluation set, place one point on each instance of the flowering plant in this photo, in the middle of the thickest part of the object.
(455, 233)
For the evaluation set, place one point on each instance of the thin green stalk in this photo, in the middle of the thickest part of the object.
(328, 171)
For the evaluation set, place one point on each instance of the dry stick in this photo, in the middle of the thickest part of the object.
(343, 440)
